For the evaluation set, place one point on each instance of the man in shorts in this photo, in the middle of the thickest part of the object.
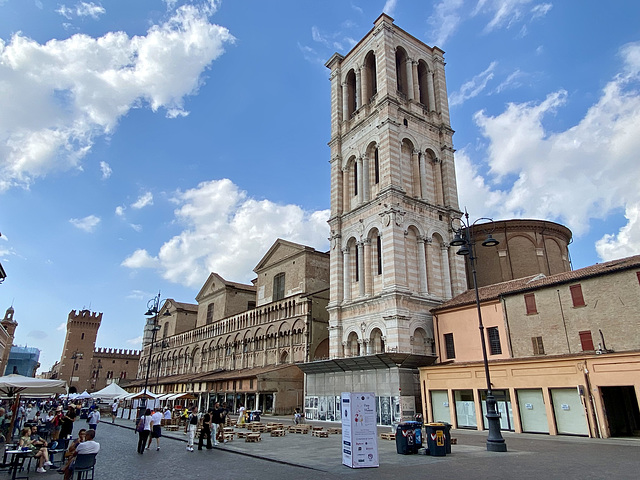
(156, 429)
(114, 411)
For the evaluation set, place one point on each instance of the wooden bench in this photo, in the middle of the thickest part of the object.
(228, 436)
(278, 432)
(333, 430)
(253, 437)
(242, 434)
(320, 433)
(170, 428)
(388, 436)
(299, 429)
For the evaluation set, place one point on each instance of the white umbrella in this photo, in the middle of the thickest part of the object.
(11, 385)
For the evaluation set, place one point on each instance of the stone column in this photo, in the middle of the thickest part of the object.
(368, 266)
(365, 86)
(344, 349)
(446, 275)
(366, 181)
(431, 92)
(345, 101)
(291, 347)
(346, 194)
(358, 88)
(422, 265)
(368, 346)
(347, 274)
(410, 82)
(360, 182)
(416, 87)
(423, 177)
(361, 283)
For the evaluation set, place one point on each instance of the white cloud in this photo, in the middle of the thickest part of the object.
(135, 341)
(228, 232)
(59, 96)
(136, 227)
(144, 200)
(390, 7)
(512, 81)
(444, 20)
(88, 224)
(120, 210)
(137, 295)
(106, 170)
(587, 171)
(473, 87)
(62, 327)
(90, 9)
(540, 10)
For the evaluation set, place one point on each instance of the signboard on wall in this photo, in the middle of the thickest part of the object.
(359, 430)
(407, 408)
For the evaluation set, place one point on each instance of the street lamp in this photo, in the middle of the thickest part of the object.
(464, 239)
(153, 309)
(75, 357)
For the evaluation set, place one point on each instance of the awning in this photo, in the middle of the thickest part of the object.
(380, 361)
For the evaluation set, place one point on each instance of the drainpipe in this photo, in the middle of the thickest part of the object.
(506, 322)
(564, 323)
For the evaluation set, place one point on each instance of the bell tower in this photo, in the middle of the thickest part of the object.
(393, 194)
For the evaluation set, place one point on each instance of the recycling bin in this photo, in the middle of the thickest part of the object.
(436, 439)
(408, 437)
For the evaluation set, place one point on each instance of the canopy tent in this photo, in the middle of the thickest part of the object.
(11, 385)
(83, 396)
(136, 396)
(110, 392)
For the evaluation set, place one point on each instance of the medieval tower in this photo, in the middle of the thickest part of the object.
(393, 194)
(79, 344)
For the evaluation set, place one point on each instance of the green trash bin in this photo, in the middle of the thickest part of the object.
(435, 434)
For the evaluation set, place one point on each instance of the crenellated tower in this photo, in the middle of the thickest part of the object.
(393, 194)
(79, 345)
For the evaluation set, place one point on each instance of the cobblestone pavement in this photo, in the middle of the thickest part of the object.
(304, 456)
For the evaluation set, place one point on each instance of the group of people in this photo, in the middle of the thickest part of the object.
(212, 426)
(149, 426)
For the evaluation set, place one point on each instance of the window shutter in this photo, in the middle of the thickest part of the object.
(538, 346)
(586, 341)
(576, 295)
(530, 303)
(450, 349)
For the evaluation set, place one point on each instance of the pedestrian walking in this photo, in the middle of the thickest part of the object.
(94, 419)
(156, 429)
(205, 431)
(216, 420)
(114, 411)
(193, 426)
(143, 428)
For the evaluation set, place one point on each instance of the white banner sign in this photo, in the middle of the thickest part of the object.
(359, 430)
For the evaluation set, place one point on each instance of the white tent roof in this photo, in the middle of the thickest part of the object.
(110, 392)
(13, 384)
(83, 395)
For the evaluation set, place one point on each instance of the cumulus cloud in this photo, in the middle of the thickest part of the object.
(588, 171)
(473, 87)
(106, 170)
(87, 224)
(120, 210)
(144, 200)
(59, 96)
(227, 232)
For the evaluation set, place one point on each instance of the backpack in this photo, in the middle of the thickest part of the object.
(140, 426)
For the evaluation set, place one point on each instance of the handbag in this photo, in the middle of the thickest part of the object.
(140, 426)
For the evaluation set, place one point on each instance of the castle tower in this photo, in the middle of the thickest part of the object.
(6, 341)
(78, 350)
(393, 194)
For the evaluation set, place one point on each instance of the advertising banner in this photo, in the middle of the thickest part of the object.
(359, 430)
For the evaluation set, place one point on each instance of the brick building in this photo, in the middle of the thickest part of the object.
(7, 333)
(82, 365)
(564, 353)
(243, 343)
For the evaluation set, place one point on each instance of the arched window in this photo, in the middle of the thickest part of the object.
(377, 344)
(401, 70)
(351, 93)
(376, 166)
(370, 76)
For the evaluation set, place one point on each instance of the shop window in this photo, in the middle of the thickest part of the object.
(494, 341)
(449, 347)
(538, 346)
(586, 341)
(530, 303)
(576, 295)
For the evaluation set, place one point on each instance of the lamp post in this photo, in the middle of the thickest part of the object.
(153, 310)
(75, 357)
(464, 239)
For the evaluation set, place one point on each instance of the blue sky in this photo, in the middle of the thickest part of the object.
(144, 144)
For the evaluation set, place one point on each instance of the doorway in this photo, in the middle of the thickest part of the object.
(621, 410)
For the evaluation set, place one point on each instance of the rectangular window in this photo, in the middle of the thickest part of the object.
(494, 341)
(278, 287)
(448, 342)
(530, 303)
(576, 295)
(210, 313)
(538, 346)
(251, 383)
(355, 178)
(251, 305)
(357, 266)
(586, 341)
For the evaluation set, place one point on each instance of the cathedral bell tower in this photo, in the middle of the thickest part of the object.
(393, 194)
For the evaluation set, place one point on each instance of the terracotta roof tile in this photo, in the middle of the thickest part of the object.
(534, 282)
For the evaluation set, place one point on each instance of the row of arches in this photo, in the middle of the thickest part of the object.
(251, 348)
(357, 344)
(424, 270)
(415, 80)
